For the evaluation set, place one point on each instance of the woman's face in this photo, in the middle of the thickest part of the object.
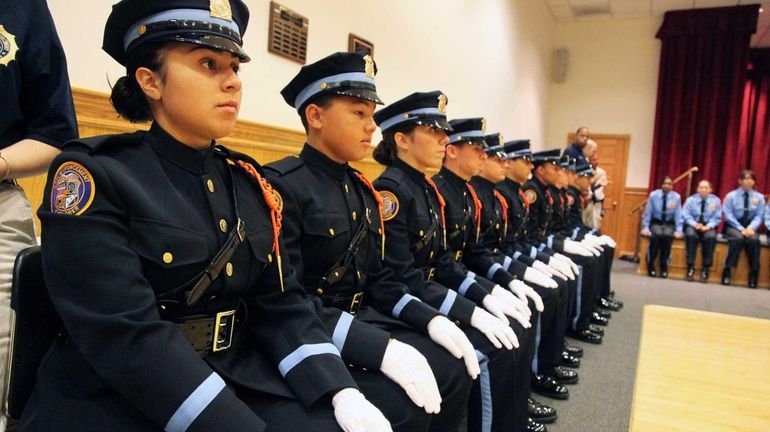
(425, 147)
(197, 95)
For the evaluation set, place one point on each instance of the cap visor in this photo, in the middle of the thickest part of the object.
(359, 93)
(437, 123)
(209, 41)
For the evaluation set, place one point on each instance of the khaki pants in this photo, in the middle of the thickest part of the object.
(17, 232)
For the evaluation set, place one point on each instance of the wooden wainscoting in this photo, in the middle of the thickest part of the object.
(263, 142)
(629, 224)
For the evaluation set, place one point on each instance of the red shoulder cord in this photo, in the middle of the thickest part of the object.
(550, 197)
(271, 199)
(441, 203)
(378, 199)
(477, 210)
(524, 198)
(582, 201)
(504, 205)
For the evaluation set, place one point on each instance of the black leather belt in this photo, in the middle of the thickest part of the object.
(349, 303)
(209, 333)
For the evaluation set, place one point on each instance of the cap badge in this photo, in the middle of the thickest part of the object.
(221, 9)
(442, 100)
(502, 141)
(8, 47)
(483, 125)
(369, 67)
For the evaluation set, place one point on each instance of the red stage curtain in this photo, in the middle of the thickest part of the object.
(755, 121)
(703, 62)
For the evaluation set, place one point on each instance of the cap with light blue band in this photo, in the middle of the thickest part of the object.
(331, 82)
(464, 136)
(135, 31)
(410, 116)
(519, 154)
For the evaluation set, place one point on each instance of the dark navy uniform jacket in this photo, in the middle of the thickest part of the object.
(541, 216)
(464, 233)
(515, 243)
(146, 215)
(416, 248)
(35, 95)
(325, 204)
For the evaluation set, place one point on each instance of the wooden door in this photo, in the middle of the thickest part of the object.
(613, 158)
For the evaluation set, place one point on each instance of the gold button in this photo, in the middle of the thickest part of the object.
(331, 231)
(457, 323)
(229, 269)
(379, 230)
(223, 225)
(354, 215)
(497, 226)
(167, 257)
(319, 291)
(269, 257)
(142, 29)
(346, 189)
(210, 185)
(431, 254)
(422, 232)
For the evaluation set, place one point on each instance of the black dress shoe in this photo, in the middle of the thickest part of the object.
(612, 294)
(615, 301)
(651, 272)
(569, 360)
(704, 274)
(539, 412)
(533, 426)
(608, 304)
(596, 329)
(565, 376)
(753, 278)
(585, 336)
(690, 273)
(545, 385)
(598, 319)
(664, 273)
(573, 350)
(602, 313)
(726, 276)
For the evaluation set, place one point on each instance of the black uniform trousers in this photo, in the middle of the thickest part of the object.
(708, 241)
(550, 327)
(609, 257)
(735, 242)
(587, 285)
(660, 242)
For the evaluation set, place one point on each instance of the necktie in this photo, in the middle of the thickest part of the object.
(664, 211)
(745, 218)
(702, 219)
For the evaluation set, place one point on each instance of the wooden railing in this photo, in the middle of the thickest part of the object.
(685, 175)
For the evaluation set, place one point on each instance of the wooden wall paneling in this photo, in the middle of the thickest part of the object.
(629, 225)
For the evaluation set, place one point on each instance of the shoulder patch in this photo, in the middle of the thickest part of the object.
(285, 165)
(755, 201)
(712, 207)
(531, 195)
(8, 46)
(570, 200)
(390, 205)
(72, 190)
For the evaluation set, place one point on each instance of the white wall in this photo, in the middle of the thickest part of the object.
(491, 58)
(611, 85)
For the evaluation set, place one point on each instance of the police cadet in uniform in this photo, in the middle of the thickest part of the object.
(335, 233)
(414, 139)
(37, 118)
(163, 256)
(743, 209)
(662, 221)
(702, 215)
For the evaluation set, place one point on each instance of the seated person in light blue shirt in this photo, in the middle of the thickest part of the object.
(702, 215)
(743, 209)
(662, 221)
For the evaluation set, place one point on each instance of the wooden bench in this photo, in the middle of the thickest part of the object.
(740, 274)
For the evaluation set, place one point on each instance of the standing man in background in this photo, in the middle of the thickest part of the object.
(38, 117)
(577, 148)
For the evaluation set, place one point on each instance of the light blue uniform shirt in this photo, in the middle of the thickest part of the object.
(654, 209)
(712, 212)
(733, 209)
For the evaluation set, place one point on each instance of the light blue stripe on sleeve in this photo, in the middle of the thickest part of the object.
(402, 304)
(341, 330)
(516, 255)
(194, 405)
(465, 285)
(507, 263)
(303, 352)
(493, 269)
(448, 302)
(471, 275)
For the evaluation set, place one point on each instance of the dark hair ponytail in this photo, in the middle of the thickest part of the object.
(127, 97)
(385, 153)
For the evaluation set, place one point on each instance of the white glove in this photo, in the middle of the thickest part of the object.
(539, 278)
(408, 368)
(562, 267)
(356, 414)
(523, 291)
(593, 243)
(544, 268)
(576, 248)
(445, 333)
(498, 332)
(592, 247)
(520, 312)
(608, 241)
(568, 260)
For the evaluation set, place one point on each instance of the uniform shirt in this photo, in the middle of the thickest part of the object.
(324, 205)
(36, 100)
(129, 223)
(733, 206)
(515, 243)
(654, 211)
(416, 245)
(710, 215)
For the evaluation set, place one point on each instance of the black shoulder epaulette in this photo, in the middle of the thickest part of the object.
(392, 174)
(96, 144)
(285, 165)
